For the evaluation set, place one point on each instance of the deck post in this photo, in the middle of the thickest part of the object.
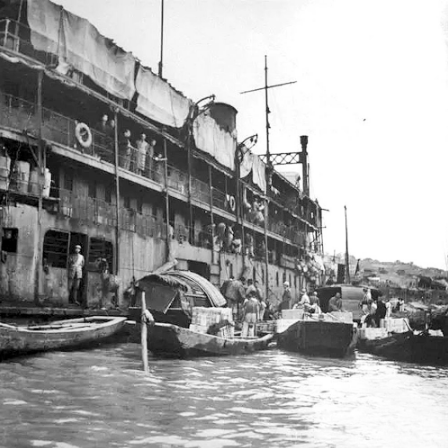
(212, 230)
(117, 193)
(266, 249)
(190, 205)
(40, 170)
(167, 201)
(5, 38)
(144, 334)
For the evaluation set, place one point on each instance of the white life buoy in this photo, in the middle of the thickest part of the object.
(232, 203)
(83, 135)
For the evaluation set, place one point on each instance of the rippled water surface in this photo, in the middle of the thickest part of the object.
(101, 398)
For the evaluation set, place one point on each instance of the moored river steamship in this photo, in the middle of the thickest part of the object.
(76, 170)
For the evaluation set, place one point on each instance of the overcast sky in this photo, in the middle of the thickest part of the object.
(371, 94)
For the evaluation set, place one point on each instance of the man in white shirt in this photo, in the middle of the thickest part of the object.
(75, 266)
(305, 300)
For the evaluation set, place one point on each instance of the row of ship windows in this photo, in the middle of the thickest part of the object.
(58, 245)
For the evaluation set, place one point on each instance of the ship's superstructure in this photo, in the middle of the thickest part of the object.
(98, 151)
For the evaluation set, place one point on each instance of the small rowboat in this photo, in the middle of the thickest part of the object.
(169, 340)
(60, 335)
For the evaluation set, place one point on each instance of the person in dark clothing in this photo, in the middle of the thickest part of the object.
(225, 285)
(380, 313)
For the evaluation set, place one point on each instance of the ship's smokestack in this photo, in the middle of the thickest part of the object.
(304, 161)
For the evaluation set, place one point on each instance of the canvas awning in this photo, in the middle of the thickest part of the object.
(79, 44)
(252, 164)
(159, 101)
(212, 139)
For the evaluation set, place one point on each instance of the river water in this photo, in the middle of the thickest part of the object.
(101, 398)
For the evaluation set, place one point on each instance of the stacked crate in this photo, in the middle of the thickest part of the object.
(288, 318)
(296, 313)
(372, 333)
(396, 325)
(203, 317)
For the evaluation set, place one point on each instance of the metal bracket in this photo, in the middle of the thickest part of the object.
(284, 158)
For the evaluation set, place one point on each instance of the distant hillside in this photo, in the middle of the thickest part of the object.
(397, 272)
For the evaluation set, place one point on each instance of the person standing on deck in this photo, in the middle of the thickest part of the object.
(75, 266)
(314, 306)
(249, 245)
(159, 168)
(388, 308)
(335, 303)
(366, 301)
(380, 312)
(305, 299)
(286, 298)
(258, 289)
(251, 315)
(125, 150)
(220, 236)
(224, 288)
(110, 141)
(228, 238)
(263, 305)
(250, 286)
(102, 125)
(151, 158)
(235, 295)
(225, 285)
(142, 151)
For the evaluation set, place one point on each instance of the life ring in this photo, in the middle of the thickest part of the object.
(232, 203)
(83, 135)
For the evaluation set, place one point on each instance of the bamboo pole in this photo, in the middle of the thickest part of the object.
(144, 341)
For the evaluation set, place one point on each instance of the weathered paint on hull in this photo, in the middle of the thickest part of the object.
(86, 332)
(333, 339)
(409, 347)
(171, 340)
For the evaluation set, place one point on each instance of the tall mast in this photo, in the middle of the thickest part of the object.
(267, 157)
(268, 154)
(161, 40)
(347, 260)
(267, 160)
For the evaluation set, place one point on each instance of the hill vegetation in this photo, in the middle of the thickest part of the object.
(396, 273)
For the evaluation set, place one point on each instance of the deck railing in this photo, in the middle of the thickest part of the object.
(20, 114)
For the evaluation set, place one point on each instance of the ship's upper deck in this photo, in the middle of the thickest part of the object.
(116, 78)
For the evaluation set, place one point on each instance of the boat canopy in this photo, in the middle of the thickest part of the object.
(163, 290)
(165, 280)
(199, 283)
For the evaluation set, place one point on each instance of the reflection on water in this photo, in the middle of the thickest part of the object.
(101, 398)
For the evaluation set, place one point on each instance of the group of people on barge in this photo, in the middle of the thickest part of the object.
(374, 309)
(246, 300)
(248, 305)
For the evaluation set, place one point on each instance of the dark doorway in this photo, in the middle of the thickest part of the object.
(199, 268)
